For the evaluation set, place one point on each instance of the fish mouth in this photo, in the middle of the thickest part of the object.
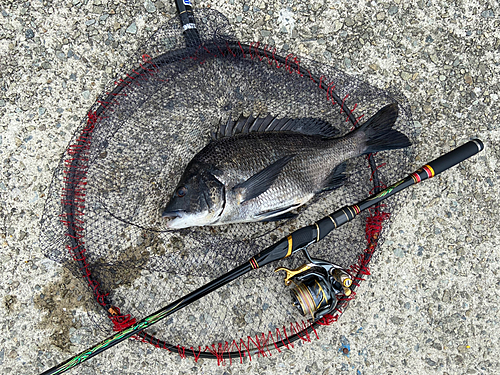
(173, 218)
(173, 214)
(180, 219)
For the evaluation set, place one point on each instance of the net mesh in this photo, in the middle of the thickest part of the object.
(103, 219)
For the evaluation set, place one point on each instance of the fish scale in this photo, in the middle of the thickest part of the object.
(315, 158)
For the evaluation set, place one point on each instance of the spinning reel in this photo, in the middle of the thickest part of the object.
(316, 285)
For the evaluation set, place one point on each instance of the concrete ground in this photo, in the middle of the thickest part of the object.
(431, 303)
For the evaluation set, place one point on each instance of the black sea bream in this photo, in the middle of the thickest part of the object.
(261, 169)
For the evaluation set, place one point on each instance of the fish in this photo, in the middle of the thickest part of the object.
(261, 169)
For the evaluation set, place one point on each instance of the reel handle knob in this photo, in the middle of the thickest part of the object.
(342, 277)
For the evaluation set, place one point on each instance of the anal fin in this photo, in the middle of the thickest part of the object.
(337, 178)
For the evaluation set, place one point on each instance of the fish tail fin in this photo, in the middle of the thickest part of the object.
(380, 135)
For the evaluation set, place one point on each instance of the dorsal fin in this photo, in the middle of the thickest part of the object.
(245, 125)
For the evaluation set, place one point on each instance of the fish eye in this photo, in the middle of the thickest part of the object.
(182, 191)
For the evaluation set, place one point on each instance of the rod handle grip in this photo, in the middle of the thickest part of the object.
(300, 238)
(456, 156)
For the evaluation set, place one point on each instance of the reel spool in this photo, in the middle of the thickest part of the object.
(316, 286)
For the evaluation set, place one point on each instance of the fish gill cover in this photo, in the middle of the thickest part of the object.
(103, 218)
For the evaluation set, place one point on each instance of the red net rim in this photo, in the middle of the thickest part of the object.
(74, 191)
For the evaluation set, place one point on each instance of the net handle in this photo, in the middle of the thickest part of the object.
(188, 23)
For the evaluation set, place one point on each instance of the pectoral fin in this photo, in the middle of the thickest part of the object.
(261, 181)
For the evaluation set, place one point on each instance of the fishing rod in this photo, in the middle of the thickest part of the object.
(318, 276)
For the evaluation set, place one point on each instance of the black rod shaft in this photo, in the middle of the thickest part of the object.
(282, 249)
(347, 213)
(149, 320)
